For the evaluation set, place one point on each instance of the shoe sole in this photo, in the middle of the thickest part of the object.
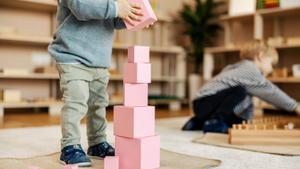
(95, 157)
(85, 164)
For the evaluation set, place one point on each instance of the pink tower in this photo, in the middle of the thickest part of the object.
(148, 18)
(137, 146)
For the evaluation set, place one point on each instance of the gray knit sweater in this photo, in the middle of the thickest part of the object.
(85, 32)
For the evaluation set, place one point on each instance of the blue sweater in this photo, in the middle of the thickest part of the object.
(85, 32)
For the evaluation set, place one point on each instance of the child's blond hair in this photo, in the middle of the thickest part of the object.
(252, 49)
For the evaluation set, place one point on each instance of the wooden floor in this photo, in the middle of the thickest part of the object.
(34, 119)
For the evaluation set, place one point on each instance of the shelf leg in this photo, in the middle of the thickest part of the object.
(1, 115)
(258, 27)
(54, 110)
(175, 106)
(208, 66)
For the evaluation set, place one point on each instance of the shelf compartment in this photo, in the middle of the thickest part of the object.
(223, 49)
(272, 12)
(26, 40)
(39, 5)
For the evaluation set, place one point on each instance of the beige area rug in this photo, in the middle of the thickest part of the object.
(222, 141)
(39, 141)
(169, 160)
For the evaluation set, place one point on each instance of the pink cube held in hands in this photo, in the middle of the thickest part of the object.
(138, 54)
(148, 17)
(111, 162)
(141, 153)
(137, 73)
(134, 122)
(70, 167)
(135, 95)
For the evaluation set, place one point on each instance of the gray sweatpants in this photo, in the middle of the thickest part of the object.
(84, 93)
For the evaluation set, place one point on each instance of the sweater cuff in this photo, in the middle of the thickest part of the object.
(117, 9)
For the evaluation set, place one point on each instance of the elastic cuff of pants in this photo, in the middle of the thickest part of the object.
(97, 141)
(63, 145)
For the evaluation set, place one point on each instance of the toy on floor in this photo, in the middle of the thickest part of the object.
(70, 167)
(136, 144)
(148, 18)
(266, 131)
(111, 162)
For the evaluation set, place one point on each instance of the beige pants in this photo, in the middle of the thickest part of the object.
(84, 93)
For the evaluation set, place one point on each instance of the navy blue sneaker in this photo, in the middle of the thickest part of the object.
(193, 124)
(215, 125)
(101, 150)
(75, 155)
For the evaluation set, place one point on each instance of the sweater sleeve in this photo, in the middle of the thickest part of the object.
(257, 85)
(85, 10)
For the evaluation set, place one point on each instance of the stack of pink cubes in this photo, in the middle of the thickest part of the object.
(137, 145)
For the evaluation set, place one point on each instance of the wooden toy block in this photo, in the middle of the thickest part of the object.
(138, 54)
(70, 167)
(141, 153)
(137, 73)
(134, 122)
(46, 69)
(13, 71)
(266, 131)
(11, 95)
(135, 95)
(111, 162)
(148, 17)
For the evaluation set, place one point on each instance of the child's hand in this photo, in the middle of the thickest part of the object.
(129, 12)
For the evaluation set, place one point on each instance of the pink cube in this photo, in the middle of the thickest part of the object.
(70, 167)
(111, 162)
(137, 73)
(32, 167)
(134, 122)
(140, 153)
(148, 18)
(138, 54)
(135, 95)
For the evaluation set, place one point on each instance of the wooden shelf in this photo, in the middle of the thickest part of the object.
(39, 5)
(264, 12)
(287, 46)
(27, 40)
(155, 49)
(285, 80)
(51, 6)
(165, 101)
(44, 41)
(43, 76)
(29, 104)
(60, 103)
(154, 79)
(236, 17)
(30, 76)
(223, 49)
(279, 11)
